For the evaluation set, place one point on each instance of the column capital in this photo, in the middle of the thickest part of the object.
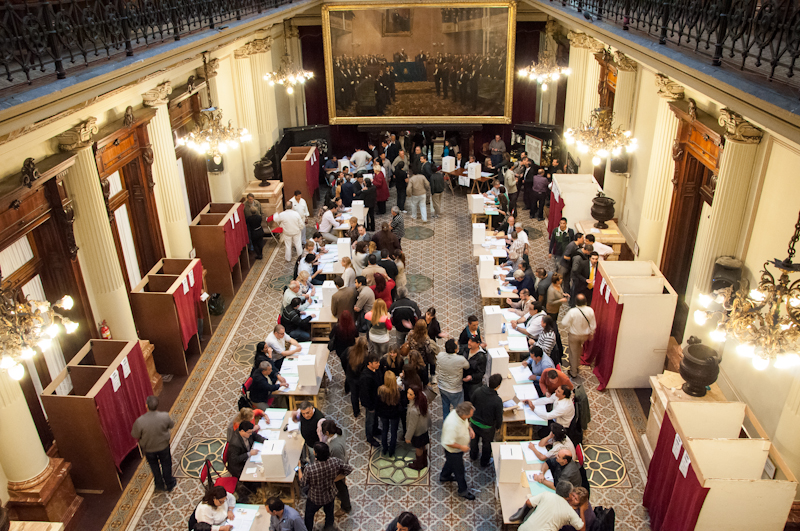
(581, 40)
(551, 27)
(625, 63)
(157, 95)
(668, 89)
(253, 47)
(78, 137)
(737, 129)
(292, 32)
(212, 66)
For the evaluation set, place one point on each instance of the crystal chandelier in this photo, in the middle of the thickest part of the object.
(210, 137)
(28, 325)
(288, 74)
(546, 71)
(599, 137)
(764, 320)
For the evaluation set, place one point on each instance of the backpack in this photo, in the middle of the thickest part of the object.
(216, 304)
(604, 519)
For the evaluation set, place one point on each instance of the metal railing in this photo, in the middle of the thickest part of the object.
(41, 38)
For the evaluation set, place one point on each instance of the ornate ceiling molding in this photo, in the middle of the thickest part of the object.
(737, 129)
(78, 137)
(253, 47)
(581, 40)
(158, 95)
(668, 89)
(624, 62)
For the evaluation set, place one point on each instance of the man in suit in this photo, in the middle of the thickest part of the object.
(393, 149)
(565, 260)
(445, 79)
(343, 299)
(581, 267)
(348, 193)
(416, 165)
(437, 79)
(527, 183)
(473, 88)
(241, 448)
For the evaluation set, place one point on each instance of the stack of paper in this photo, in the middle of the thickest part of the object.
(304, 347)
(517, 343)
(509, 315)
(275, 414)
(289, 367)
(535, 486)
(526, 391)
(499, 253)
(258, 446)
(508, 289)
(271, 435)
(291, 425)
(292, 381)
(532, 418)
(509, 404)
(520, 374)
(244, 517)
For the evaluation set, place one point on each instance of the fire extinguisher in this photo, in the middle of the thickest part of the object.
(105, 332)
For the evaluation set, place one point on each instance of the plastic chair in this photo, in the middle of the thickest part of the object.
(275, 234)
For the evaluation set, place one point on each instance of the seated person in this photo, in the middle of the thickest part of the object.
(297, 325)
(563, 410)
(319, 243)
(518, 305)
(276, 341)
(557, 440)
(579, 500)
(215, 509)
(537, 363)
(310, 265)
(248, 414)
(563, 467)
(521, 281)
(265, 382)
(241, 448)
(530, 324)
(553, 510)
(305, 283)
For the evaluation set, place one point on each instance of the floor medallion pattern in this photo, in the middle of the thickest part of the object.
(604, 467)
(418, 283)
(418, 233)
(394, 470)
(196, 453)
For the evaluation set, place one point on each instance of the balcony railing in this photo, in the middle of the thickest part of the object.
(761, 36)
(39, 39)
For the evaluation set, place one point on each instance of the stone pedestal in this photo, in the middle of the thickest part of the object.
(50, 497)
(611, 236)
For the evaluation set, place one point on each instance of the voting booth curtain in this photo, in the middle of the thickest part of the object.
(556, 208)
(672, 498)
(187, 301)
(235, 236)
(603, 347)
(119, 408)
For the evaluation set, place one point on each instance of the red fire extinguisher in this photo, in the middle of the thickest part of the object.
(105, 332)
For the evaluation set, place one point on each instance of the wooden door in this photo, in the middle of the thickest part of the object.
(184, 113)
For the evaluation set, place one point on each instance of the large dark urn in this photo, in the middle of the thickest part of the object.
(699, 367)
(263, 171)
(602, 210)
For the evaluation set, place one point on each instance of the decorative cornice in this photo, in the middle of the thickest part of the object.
(253, 47)
(668, 89)
(212, 66)
(737, 129)
(581, 40)
(550, 27)
(625, 63)
(79, 136)
(158, 95)
(292, 32)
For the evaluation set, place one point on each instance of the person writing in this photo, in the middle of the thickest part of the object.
(216, 509)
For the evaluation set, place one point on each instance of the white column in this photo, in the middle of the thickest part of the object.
(219, 183)
(298, 98)
(582, 81)
(100, 263)
(730, 200)
(266, 109)
(243, 82)
(626, 91)
(548, 98)
(165, 173)
(659, 172)
(21, 453)
(591, 96)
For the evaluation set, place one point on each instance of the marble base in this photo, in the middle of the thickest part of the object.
(49, 497)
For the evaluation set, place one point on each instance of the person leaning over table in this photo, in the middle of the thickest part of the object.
(328, 223)
(297, 325)
(537, 363)
(338, 446)
(309, 418)
(265, 382)
(283, 517)
(563, 467)
(563, 409)
(558, 439)
(321, 477)
(241, 449)
(216, 509)
(553, 510)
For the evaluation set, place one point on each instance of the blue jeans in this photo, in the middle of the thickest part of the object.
(370, 425)
(450, 399)
(300, 335)
(389, 425)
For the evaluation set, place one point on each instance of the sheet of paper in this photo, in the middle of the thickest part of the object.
(520, 374)
(328, 268)
(676, 446)
(191, 278)
(293, 382)
(251, 470)
(608, 295)
(527, 453)
(509, 403)
(115, 383)
(507, 289)
(255, 458)
(536, 487)
(292, 425)
(271, 435)
(185, 285)
(517, 343)
(526, 391)
(262, 424)
(535, 416)
(510, 452)
(276, 414)
(499, 253)
(244, 517)
(684, 466)
(126, 368)
(258, 446)
(509, 315)
(236, 216)
(289, 367)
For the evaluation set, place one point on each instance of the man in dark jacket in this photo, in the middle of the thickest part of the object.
(308, 416)
(404, 313)
(348, 193)
(487, 419)
(241, 448)
(297, 326)
(265, 382)
(368, 384)
(437, 188)
(370, 198)
(581, 267)
(473, 377)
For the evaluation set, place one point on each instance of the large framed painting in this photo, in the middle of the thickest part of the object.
(419, 63)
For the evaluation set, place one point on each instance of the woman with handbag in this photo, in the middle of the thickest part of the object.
(418, 424)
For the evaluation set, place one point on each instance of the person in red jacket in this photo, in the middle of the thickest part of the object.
(552, 379)
(382, 187)
(383, 288)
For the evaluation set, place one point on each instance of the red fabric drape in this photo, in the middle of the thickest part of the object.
(186, 304)
(601, 350)
(236, 237)
(673, 501)
(119, 410)
(556, 208)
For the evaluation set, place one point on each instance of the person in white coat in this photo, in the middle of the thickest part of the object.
(299, 205)
(292, 224)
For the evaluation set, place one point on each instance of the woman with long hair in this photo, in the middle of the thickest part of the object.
(360, 257)
(400, 261)
(216, 508)
(547, 337)
(381, 187)
(555, 297)
(343, 335)
(352, 232)
(349, 274)
(418, 424)
(389, 409)
(383, 288)
(393, 361)
(337, 444)
(416, 364)
(418, 340)
(379, 336)
(248, 414)
(356, 357)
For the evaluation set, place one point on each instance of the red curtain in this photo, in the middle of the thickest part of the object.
(119, 410)
(186, 304)
(556, 208)
(672, 500)
(601, 350)
(236, 237)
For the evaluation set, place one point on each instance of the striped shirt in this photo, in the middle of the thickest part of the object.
(399, 226)
(546, 340)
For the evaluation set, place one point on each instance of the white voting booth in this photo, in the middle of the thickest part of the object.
(343, 248)
(476, 205)
(577, 191)
(738, 472)
(478, 233)
(448, 164)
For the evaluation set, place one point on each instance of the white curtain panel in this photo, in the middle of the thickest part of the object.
(128, 247)
(115, 182)
(15, 256)
(184, 192)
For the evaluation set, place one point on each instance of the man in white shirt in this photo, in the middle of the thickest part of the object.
(293, 226)
(456, 434)
(530, 324)
(292, 292)
(553, 511)
(521, 236)
(328, 223)
(602, 250)
(299, 205)
(563, 409)
(581, 324)
(359, 159)
(277, 340)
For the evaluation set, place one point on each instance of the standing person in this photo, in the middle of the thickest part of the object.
(299, 205)
(389, 407)
(581, 269)
(434, 329)
(581, 325)
(419, 188)
(308, 416)
(386, 240)
(381, 326)
(456, 436)
(437, 188)
(359, 159)
(380, 180)
(283, 517)
(451, 367)
(293, 226)
(471, 331)
(343, 336)
(349, 274)
(370, 198)
(405, 313)
(547, 339)
(559, 239)
(321, 477)
(510, 182)
(540, 193)
(473, 375)
(398, 224)
(497, 148)
(565, 260)
(603, 251)
(368, 384)
(418, 424)
(152, 432)
(555, 297)
(401, 280)
(526, 178)
(383, 288)
(338, 447)
(419, 341)
(488, 418)
(344, 300)
(364, 302)
(400, 169)
(356, 362)
(216, 509)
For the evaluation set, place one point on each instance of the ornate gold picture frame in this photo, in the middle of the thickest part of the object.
(425, 63)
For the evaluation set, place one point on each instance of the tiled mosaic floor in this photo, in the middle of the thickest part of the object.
(447, 281)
